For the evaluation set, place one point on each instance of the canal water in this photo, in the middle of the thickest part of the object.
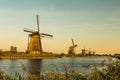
(78, 64)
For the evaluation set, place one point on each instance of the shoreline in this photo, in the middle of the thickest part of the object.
(8, 57)
(45, 55)
(38, 57)
(29, 56)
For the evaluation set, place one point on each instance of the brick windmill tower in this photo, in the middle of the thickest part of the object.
(34, 39)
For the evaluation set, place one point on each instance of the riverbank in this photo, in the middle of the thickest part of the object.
(11, 57)
(28, 56)
(43, 55)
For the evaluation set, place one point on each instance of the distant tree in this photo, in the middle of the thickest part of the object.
(62, 54)
(1, 51)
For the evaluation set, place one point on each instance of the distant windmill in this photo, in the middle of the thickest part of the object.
(71, 48)
(34, 39)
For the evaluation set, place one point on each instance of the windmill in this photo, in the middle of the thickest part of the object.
(71, 48)
(34, 39)
(84, 51)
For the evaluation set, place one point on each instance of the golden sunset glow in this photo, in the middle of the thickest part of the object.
(93, 24)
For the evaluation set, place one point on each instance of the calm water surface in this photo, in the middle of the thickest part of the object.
(10, 66)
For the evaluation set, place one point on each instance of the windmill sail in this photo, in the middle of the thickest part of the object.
(29, 30)
(73, 42)
(38, 23)
(48, 35)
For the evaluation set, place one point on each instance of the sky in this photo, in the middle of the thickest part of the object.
(93, 24)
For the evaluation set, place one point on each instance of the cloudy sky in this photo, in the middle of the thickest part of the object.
(93, 24)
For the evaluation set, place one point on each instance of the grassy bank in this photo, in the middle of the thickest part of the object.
(27, 56)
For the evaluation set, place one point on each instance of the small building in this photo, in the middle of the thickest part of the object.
(13, 49)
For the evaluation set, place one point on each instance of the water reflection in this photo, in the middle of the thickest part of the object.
(9, 66)
(34, 67)
(37, 66)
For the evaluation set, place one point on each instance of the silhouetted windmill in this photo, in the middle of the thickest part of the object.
(84, 51)
(71, 48)
(34, 39)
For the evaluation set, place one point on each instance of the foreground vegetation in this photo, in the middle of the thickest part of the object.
(109, 72)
